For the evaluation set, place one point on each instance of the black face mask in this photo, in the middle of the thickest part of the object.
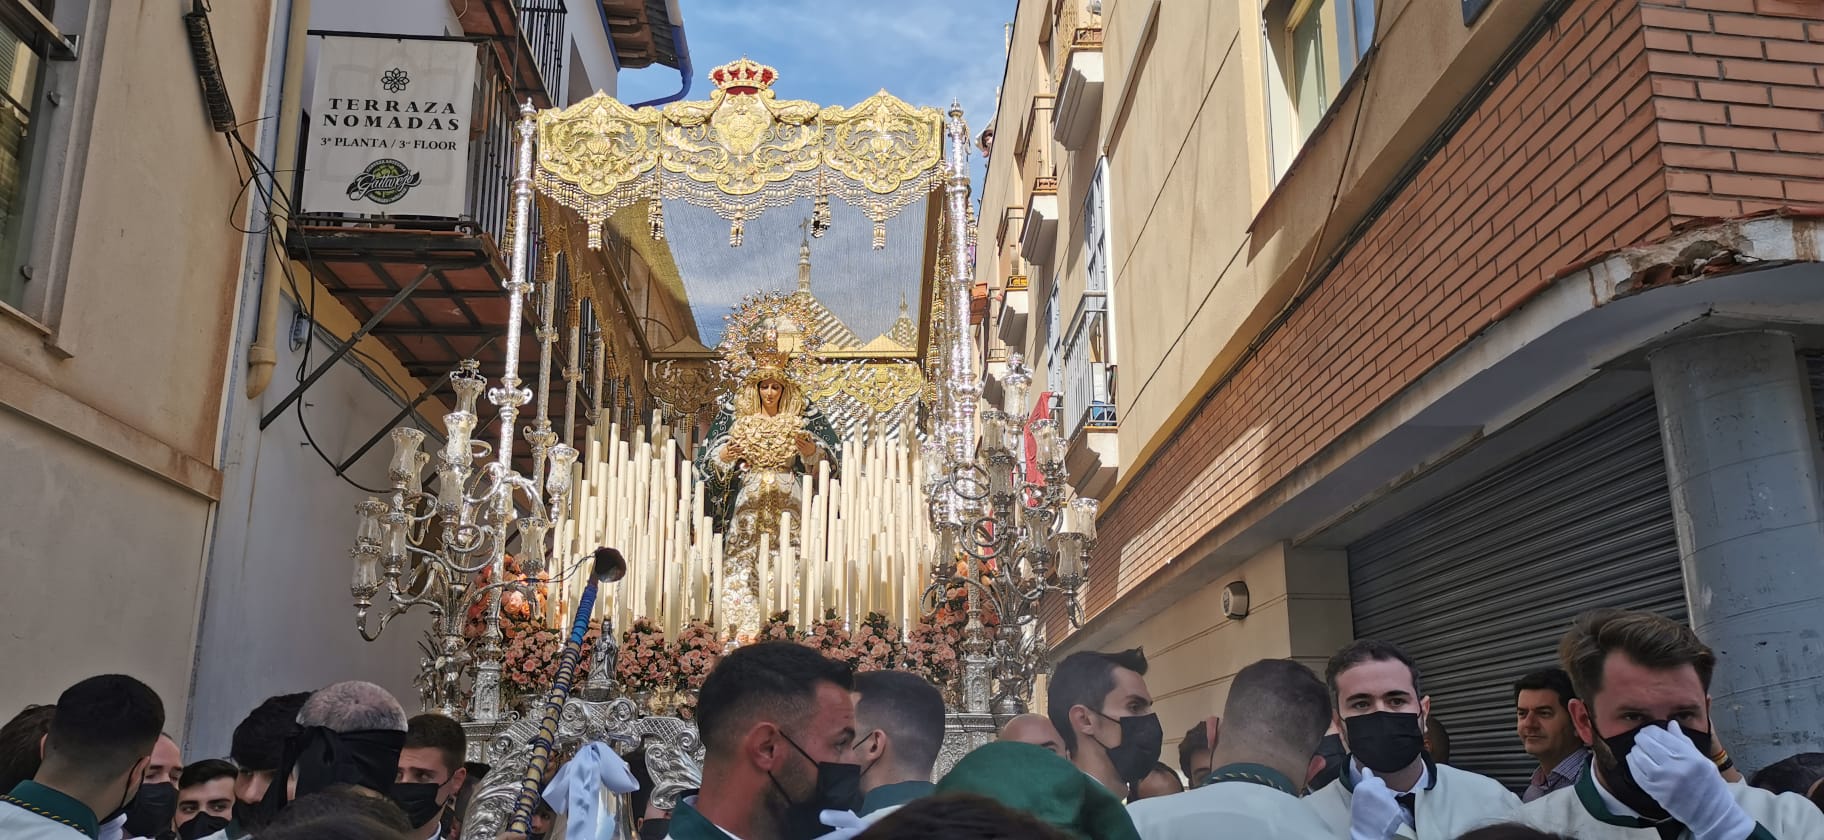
(655, 828)
(838, 789)
(1612, 760)
(126, 799)
(151, 811)
(1141, 740)
(323, 757)
(258, 815)
(1385, 742)
(1335, 758)
(418, 801)
(200, 826)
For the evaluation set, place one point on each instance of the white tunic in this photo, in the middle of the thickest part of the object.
(1787, 816)
(1227, 809)
(17, 823)
(1459, 801)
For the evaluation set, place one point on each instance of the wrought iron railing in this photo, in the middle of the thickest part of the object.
(1089, 386)
(542, 22)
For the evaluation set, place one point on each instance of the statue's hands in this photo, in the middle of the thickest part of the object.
(731, 453)
(807, 447)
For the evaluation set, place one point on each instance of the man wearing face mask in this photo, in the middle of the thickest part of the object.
(778, 730)
(258, 748)
(150, 816)
(1275, 714)
(205, 798)
(1100, 705)
(1643, 704)
(430, 772)
(899, 721)
(1390, 787)
(95, 756)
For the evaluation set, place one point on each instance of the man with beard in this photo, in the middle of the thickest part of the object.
(777, 726)
(1102, 709)
(430, 772)
(1643, 684)
(95, 756)
(1390, 787)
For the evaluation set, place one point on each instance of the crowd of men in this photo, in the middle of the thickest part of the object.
(798, 747)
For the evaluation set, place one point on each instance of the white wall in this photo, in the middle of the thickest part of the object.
(277, 615)
(593, 65)
(101, 563)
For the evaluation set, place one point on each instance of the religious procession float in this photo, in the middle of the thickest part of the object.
(786, 477)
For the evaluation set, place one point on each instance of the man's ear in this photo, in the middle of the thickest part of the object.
(761, 745)
(1580, 719)
(876, 748)
(457, 780)
(1082, 720)
(41, 740)
(1342, 733)
(1424, 711)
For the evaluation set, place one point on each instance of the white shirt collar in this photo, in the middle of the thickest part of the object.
(1356, 774)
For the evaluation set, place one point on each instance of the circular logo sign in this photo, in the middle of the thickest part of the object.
(383, 182)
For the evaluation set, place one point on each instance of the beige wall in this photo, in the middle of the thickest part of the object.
(110, 404)
(1299, 609)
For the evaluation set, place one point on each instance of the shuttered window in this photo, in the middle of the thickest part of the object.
(1480, 585)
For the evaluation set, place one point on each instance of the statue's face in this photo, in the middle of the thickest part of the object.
(771, 392)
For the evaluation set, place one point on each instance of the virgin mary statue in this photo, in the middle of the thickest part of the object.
(765, 435)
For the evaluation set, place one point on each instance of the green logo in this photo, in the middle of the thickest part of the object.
(383, 182)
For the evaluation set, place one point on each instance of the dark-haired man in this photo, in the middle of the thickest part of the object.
(1274, 717)
(95, 757)
(430, 772)
(258, 748)
(1390, 787)
(1643, 704)
(777, 725)
(205, 798)
(1194, 751)
(1103, 711)
(1542, 715)
(899, 725)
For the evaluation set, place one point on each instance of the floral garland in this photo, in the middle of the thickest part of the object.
(696, 653)
(531, 653)
(878, 644)
(644, 663)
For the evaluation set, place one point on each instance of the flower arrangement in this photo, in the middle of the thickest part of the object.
(930, 649)
(830, 638)
(878, 644)
(779, 627)
(644, 664)
(696, 652)
(530, 656)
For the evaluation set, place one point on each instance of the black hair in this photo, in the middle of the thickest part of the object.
(334, 827)
(338, 801)
(205, 771)
(104, 725)
(441, 733)
(960, 816)
(1547, 679)
(1195, 741)
(19, 739)
(1277, 705)
(775, 681)
(1792, 774)
(259, 741)
(1368, 650)
(1085, 679)
(1511, 831)
(909, 709)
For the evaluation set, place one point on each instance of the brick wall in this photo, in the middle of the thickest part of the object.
(1561, 161)
(1738, 86)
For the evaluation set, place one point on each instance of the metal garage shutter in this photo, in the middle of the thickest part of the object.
(1479, 586)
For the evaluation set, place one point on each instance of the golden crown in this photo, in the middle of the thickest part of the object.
(744, 75)
(750, 342)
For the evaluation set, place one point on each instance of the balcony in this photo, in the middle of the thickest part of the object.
(1038, 114)
(1074, 26)
(1089, 394)
(1039, 236)
(1079, 101)
(526, 37)
(1016, 305)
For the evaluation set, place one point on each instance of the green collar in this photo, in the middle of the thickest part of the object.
(898, 793)
(688, 824)
(1592, 802)
(1256, 774)
(55, 806)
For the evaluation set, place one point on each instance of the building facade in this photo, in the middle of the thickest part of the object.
(184, 411)
(1435, 321)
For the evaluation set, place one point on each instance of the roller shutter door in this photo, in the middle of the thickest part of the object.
(1479, 586)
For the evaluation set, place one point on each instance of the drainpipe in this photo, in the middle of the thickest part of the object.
(263, 356)
(684, 71)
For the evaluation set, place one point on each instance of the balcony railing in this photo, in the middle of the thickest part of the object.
(542, 22)
(1089, 384)
(1075, 27)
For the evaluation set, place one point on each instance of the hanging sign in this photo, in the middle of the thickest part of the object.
(389, 127)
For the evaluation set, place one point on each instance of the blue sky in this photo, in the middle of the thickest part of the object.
(839, 52)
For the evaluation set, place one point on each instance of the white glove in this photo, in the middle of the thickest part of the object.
(1373, 812)
(846, 824)
(1685, 782)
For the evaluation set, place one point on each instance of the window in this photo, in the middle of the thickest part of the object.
(1088, 349)
(1314, 46)
(41, 117)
